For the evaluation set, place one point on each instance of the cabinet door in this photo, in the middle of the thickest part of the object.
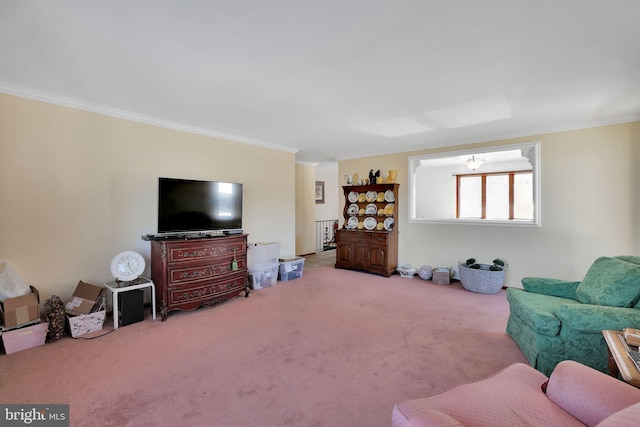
(360, 255)
(378, 257)
(345, 252)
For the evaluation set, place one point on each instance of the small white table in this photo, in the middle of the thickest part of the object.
(117, 287)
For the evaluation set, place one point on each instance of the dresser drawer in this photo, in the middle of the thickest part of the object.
(205, 250)
(206, 289)
(355, 236)
(186, 273)
(379, 238)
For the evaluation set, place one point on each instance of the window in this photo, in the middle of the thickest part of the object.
(500, 196)
(492, 185)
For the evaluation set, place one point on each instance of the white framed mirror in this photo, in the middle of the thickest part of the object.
(497, 185)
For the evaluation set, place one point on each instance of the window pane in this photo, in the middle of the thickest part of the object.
(523, 196)
(498, 197)
(470, 197)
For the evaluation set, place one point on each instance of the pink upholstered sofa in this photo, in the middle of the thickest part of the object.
(574, 395)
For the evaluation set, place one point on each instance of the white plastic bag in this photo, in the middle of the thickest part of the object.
(11, 285)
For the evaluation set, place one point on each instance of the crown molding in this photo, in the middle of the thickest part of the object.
(63, 101)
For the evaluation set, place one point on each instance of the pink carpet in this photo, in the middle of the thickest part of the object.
(333, 348)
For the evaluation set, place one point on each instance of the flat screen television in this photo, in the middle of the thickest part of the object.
(188, 206)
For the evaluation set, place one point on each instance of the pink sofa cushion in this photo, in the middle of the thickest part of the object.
(589, 395)
(627, 417)
(430, 417)
(511, 397)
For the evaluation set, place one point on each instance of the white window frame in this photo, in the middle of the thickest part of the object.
(532, 150)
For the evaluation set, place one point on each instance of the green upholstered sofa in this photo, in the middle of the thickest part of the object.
(554, 320)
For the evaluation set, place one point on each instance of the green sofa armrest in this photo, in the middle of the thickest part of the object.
(553, 287)
(593, 318)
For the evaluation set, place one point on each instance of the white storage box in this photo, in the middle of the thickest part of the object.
(91, 322)
(261, 256)
(262, 278)
(86, 323)
(291, 268)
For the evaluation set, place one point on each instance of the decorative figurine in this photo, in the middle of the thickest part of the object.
(373, 177)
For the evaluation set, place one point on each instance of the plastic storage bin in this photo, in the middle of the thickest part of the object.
(291, 268)
(262, 255)
(262, 278)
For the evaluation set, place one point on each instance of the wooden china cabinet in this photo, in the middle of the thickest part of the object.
(368, 240)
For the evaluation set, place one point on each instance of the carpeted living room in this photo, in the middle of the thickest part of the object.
(332, 348)
(147, 146)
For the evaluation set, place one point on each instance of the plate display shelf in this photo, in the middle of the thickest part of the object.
(368, 240)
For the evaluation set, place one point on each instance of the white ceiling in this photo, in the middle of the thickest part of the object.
(320, 76)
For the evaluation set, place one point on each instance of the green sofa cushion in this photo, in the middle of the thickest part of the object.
(553, 287)
(613, 282)
(537, 310)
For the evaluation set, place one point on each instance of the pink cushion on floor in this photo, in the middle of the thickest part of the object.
(511, 397)
(587, 394)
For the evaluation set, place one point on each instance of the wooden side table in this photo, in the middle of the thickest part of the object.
(620, 364)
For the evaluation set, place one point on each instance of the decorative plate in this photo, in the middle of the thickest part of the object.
(362, 197)
(388, 210)
(380, 226)
(361, 211)
(381, 212)
(352, 222)
(389, 196)
(388, 224)
(370, 223)
(371, 209)
(360, 225)
(380, 197)
(352, 209)
(353, 197)
(371, 196)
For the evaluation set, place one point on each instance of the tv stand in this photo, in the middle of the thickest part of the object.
(189, 273)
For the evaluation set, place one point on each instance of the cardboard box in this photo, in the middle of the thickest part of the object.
(24, 338)
(20, 310)
(86, 298)
(441, 278)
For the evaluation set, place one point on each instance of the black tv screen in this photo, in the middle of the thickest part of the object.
(188, 205)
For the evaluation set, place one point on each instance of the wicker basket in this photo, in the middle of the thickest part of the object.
(481, 280)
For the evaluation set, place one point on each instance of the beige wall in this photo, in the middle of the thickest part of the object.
(77, 187)
(590, 207)
(329, 175)
(305, 209)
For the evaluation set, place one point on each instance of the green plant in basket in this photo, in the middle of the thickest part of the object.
(482, 278)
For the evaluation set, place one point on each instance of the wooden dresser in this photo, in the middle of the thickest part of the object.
(194, 272)
(369, 240)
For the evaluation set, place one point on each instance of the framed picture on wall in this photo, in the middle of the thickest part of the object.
(319, 192)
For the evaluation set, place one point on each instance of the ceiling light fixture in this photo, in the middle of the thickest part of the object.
(474, 162)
